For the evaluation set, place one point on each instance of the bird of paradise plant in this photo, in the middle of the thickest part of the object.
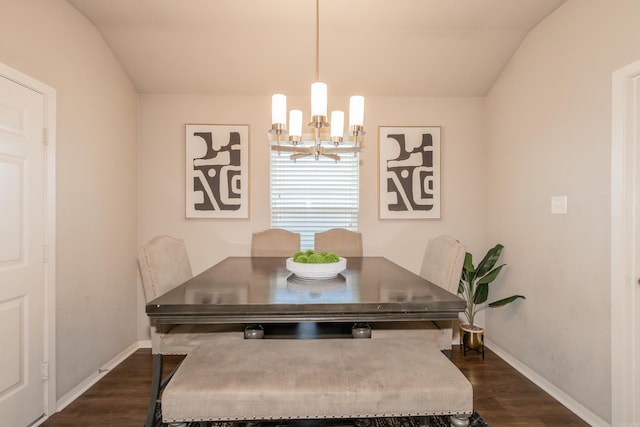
(474, 283)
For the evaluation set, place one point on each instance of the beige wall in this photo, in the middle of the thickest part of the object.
(96, 193)
(161, 174)
(548, 133)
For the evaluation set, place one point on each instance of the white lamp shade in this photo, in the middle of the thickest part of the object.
(337, 124)
(356, 111)
(319, 99)
(295, 123)
(279, 109)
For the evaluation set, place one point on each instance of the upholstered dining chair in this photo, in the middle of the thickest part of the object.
(442, 262)
(164, 264)
(274, 242)
(343, 242)
(442, 266)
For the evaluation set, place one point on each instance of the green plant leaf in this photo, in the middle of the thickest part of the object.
(491, 276)
(465, 282)
(489, 260)
(481, 294)
(506, 301)
(468, 262)
(468, 270)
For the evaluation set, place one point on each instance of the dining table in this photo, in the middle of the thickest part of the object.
(265, 299)
(261, 290)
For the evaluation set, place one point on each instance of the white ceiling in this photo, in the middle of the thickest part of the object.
(367, 47)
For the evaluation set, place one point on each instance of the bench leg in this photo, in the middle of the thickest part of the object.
(156, 382)
(459, 420)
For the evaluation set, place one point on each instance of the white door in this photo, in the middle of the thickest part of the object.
(634, 287)
(625, 247)
(22, 268)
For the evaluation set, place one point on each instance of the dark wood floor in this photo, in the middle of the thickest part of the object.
(502, 396)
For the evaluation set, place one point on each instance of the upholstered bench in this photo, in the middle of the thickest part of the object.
(312, 379)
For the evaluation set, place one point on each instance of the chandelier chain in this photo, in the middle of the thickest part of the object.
(317, 41)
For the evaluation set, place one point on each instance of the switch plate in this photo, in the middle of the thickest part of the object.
(559, 204)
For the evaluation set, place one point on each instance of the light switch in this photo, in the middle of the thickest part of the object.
(559, 204)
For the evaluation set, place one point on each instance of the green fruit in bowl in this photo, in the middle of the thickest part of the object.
(310, 257)
(302, 258)
(315, 259)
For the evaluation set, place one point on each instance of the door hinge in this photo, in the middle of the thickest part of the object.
(45, 254)
(45, 136)
(45, 370)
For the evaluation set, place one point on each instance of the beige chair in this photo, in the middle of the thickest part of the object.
(274, 242)
(443, 261)
(343, 242)
(441, 265)
(164, 264)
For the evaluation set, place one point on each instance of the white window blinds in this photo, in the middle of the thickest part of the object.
(310, 196)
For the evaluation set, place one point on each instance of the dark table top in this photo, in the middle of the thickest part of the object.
(262, 290)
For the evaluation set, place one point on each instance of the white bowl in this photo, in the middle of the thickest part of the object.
(316, 271)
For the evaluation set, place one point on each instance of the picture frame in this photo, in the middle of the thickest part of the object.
(217, 171)
(409, 172)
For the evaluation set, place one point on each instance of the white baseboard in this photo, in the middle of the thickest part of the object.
(562, 397)
(144, 344)
(77, 391)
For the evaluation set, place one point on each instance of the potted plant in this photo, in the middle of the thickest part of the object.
(474, 288)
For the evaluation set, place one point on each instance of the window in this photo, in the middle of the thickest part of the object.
(309, 196)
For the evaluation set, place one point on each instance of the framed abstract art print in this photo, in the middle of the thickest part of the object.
(217, 171)
(409, 172)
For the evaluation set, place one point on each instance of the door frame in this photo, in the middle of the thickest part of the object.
(49, 251)
(625, 126)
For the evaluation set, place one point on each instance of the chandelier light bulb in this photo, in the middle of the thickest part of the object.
(337, 124)
(356, 111)
(319, 99)
(295, 123)
(278, 109)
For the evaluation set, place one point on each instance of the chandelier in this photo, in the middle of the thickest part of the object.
(320, 143)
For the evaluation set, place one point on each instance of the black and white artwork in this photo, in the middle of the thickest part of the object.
(217, 171)
(409, 172)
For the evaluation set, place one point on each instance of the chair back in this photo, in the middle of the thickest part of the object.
(274, 242)
(343, 242)
(443, 261)
(164, 264)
